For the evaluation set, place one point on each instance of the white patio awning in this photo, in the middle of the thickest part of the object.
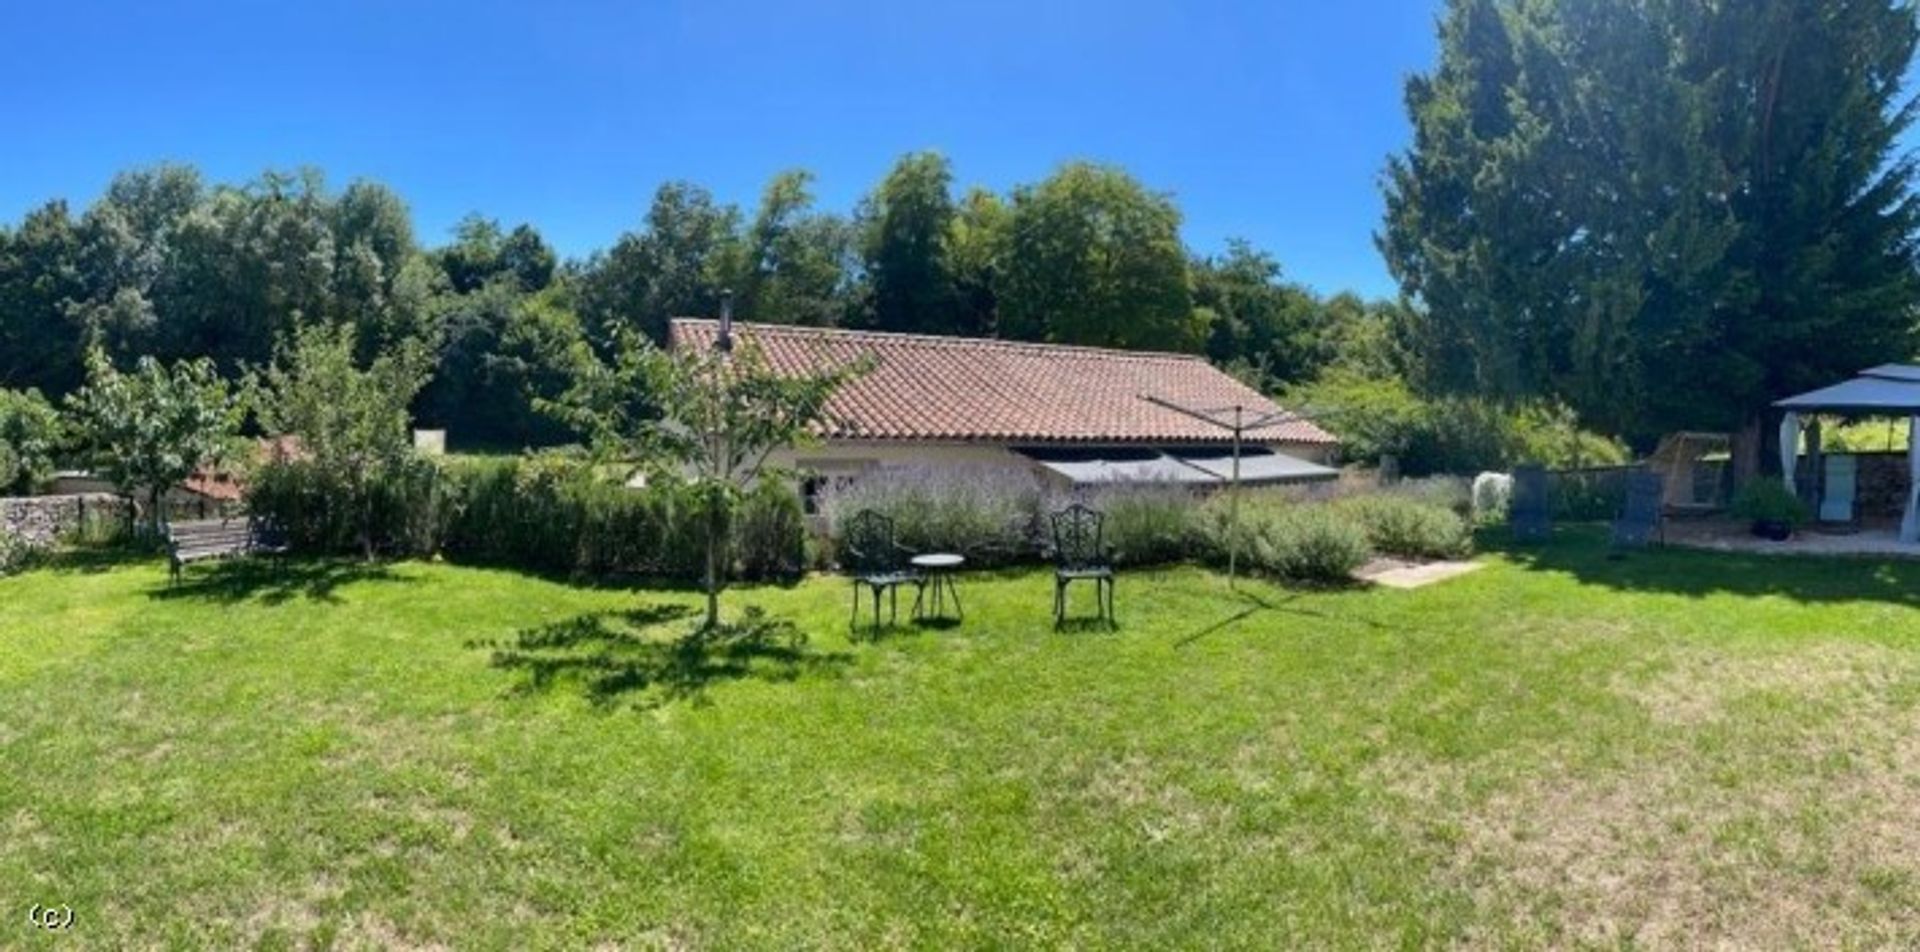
(1174, 465)
(1260, 465)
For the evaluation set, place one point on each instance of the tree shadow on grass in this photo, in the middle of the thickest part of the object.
(613, 656)
(93, 560)
(1253, 603)
(1583, 552)
(272, 581)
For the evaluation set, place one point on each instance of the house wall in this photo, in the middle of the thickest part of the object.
(851, 456)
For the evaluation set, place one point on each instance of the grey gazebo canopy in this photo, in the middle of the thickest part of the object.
(1886, 390)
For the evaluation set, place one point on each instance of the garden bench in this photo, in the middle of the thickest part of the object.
(199, 541)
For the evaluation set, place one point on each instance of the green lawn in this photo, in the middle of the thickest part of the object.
(1672, 749)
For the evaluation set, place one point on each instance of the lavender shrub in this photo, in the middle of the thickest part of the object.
(987, 513)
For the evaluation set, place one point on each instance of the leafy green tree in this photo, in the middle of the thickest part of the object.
(710, 418)
(1094, 258)
(250, 264)
(500, 352)
(381, 284)
(676, 266)
(1279, 332)
(976, 252)
(481, 253)
(906, 227)
(797, 262)
(30, 431)
(125, 242)
(352, 423)
(41, 342)
(1666, 214)
(149, 429)
(528, 258)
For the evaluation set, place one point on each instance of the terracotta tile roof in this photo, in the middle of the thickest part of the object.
(965, 389)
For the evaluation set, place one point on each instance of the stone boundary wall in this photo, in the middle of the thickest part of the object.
(39, 521)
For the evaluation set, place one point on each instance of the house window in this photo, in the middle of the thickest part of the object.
(819, 480)
(811, 487)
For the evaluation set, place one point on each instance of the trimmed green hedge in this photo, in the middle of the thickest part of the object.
(545, 512)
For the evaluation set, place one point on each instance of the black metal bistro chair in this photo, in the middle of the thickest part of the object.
(878, 563)
(1080, 553)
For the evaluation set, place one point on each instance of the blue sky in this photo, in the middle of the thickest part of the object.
(1268, 121)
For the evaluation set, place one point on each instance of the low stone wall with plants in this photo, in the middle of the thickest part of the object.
(40, 521)
(31, 525)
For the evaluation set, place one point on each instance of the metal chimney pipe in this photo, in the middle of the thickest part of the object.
(725, 342)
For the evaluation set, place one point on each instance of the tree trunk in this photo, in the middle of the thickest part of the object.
(1746, 452)
(713, 566)
(154, 520)
(366, 523)
(366, 537)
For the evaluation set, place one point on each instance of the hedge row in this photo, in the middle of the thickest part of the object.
(544, 513)
(556, 514)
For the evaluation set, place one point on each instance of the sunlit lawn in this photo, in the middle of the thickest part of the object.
(1672, 749)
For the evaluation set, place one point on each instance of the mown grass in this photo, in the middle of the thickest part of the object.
(1672, 749)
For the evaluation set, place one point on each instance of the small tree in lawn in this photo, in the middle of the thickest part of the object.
(352, 423)
(709, 417)
(152, 428)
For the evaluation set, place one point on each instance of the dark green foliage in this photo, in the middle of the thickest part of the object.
(1587, 495)
(1273, 330)
(1402, 526)
(796, 261)
(906, 230)
(770, 533)
(1664, 214)
(502, 352)
(405, 514)
(1460, 435)
(30, 431)
(676, 266)
(546, 513)
(482, 254)
(1767, 500)
(41, 345)
(1303, 542)
(1094, 258)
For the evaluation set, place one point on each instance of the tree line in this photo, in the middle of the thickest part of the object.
(167, 265)
(1665, 213)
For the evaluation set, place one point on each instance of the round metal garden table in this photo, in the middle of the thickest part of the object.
(940, 568)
